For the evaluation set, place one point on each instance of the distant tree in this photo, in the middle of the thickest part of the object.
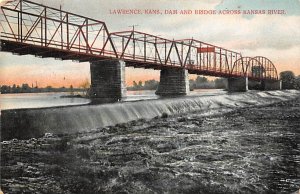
(203, 83)
(297, 82)
(18, 89)
(288, 80)
(14, 89)
(201, 79)
(192, 84)
(150, 84)
(25, 88)
(220, 83)
(71, 90)
(258, 71)
(5, 89)
(85, 85)
(137, 86)
(140, 84)
(49, 88)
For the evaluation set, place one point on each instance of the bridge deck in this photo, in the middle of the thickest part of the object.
(19, 48)
(29, 28)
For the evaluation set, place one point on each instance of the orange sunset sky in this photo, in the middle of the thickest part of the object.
(276, 37)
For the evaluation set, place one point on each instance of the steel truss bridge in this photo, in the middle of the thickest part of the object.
(31, 28)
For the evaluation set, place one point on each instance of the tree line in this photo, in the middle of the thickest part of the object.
(203, 83)
(147, 85)
(199, 83)
(25, 88)
(289, 80)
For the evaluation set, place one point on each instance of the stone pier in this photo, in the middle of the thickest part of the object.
(237, 84)
(107, 80)
(272, 85)
(173, 82)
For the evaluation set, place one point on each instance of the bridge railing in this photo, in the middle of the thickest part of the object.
(71, 36)
(201, 56)
(255, 68)
(191, 54)
(142, 47)
(32, 23)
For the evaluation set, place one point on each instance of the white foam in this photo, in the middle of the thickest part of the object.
(83, 118)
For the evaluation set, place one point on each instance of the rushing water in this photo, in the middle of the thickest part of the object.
(74, 119)
(226, 145)
(39, 100)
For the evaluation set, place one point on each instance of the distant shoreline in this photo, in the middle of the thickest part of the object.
(45, 90)
(81, 90)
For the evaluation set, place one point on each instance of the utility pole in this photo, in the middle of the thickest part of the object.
(133, 39)
(133, 26)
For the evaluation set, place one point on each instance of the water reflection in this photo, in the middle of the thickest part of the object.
(37, 100)
(40, 100)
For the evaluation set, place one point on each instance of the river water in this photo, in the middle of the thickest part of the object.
(242, 149)
(39, 100)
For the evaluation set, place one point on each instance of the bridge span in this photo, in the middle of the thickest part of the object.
(29, 28)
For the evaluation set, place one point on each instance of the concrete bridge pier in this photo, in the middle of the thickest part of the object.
(173, 82)
(237, 84)
(107, 81)
(271, 84)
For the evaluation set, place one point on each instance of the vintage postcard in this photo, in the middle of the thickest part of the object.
(150, 96)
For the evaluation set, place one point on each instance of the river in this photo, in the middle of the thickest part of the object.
(239, 148)
(40, 100)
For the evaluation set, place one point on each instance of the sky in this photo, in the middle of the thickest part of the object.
(275, 36)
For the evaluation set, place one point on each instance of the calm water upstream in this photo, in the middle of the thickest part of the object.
(38, 100)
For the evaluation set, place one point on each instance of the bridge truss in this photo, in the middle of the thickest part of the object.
(31, 28)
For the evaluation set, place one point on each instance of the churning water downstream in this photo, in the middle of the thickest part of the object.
(239, 143)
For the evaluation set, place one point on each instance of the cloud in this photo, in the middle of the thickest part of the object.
(44, 71)
(266, 31)
(284, 60)
(291, 7)
(274, 36)
(274, 32)
(3, 2)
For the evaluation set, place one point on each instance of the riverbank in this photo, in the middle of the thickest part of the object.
(233, 149)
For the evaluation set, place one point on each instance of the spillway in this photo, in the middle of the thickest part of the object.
(28, 123)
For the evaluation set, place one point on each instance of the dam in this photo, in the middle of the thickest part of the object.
(206, 143)
(244, 139)
(28, 123)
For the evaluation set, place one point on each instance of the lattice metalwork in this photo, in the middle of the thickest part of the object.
(31, 28)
